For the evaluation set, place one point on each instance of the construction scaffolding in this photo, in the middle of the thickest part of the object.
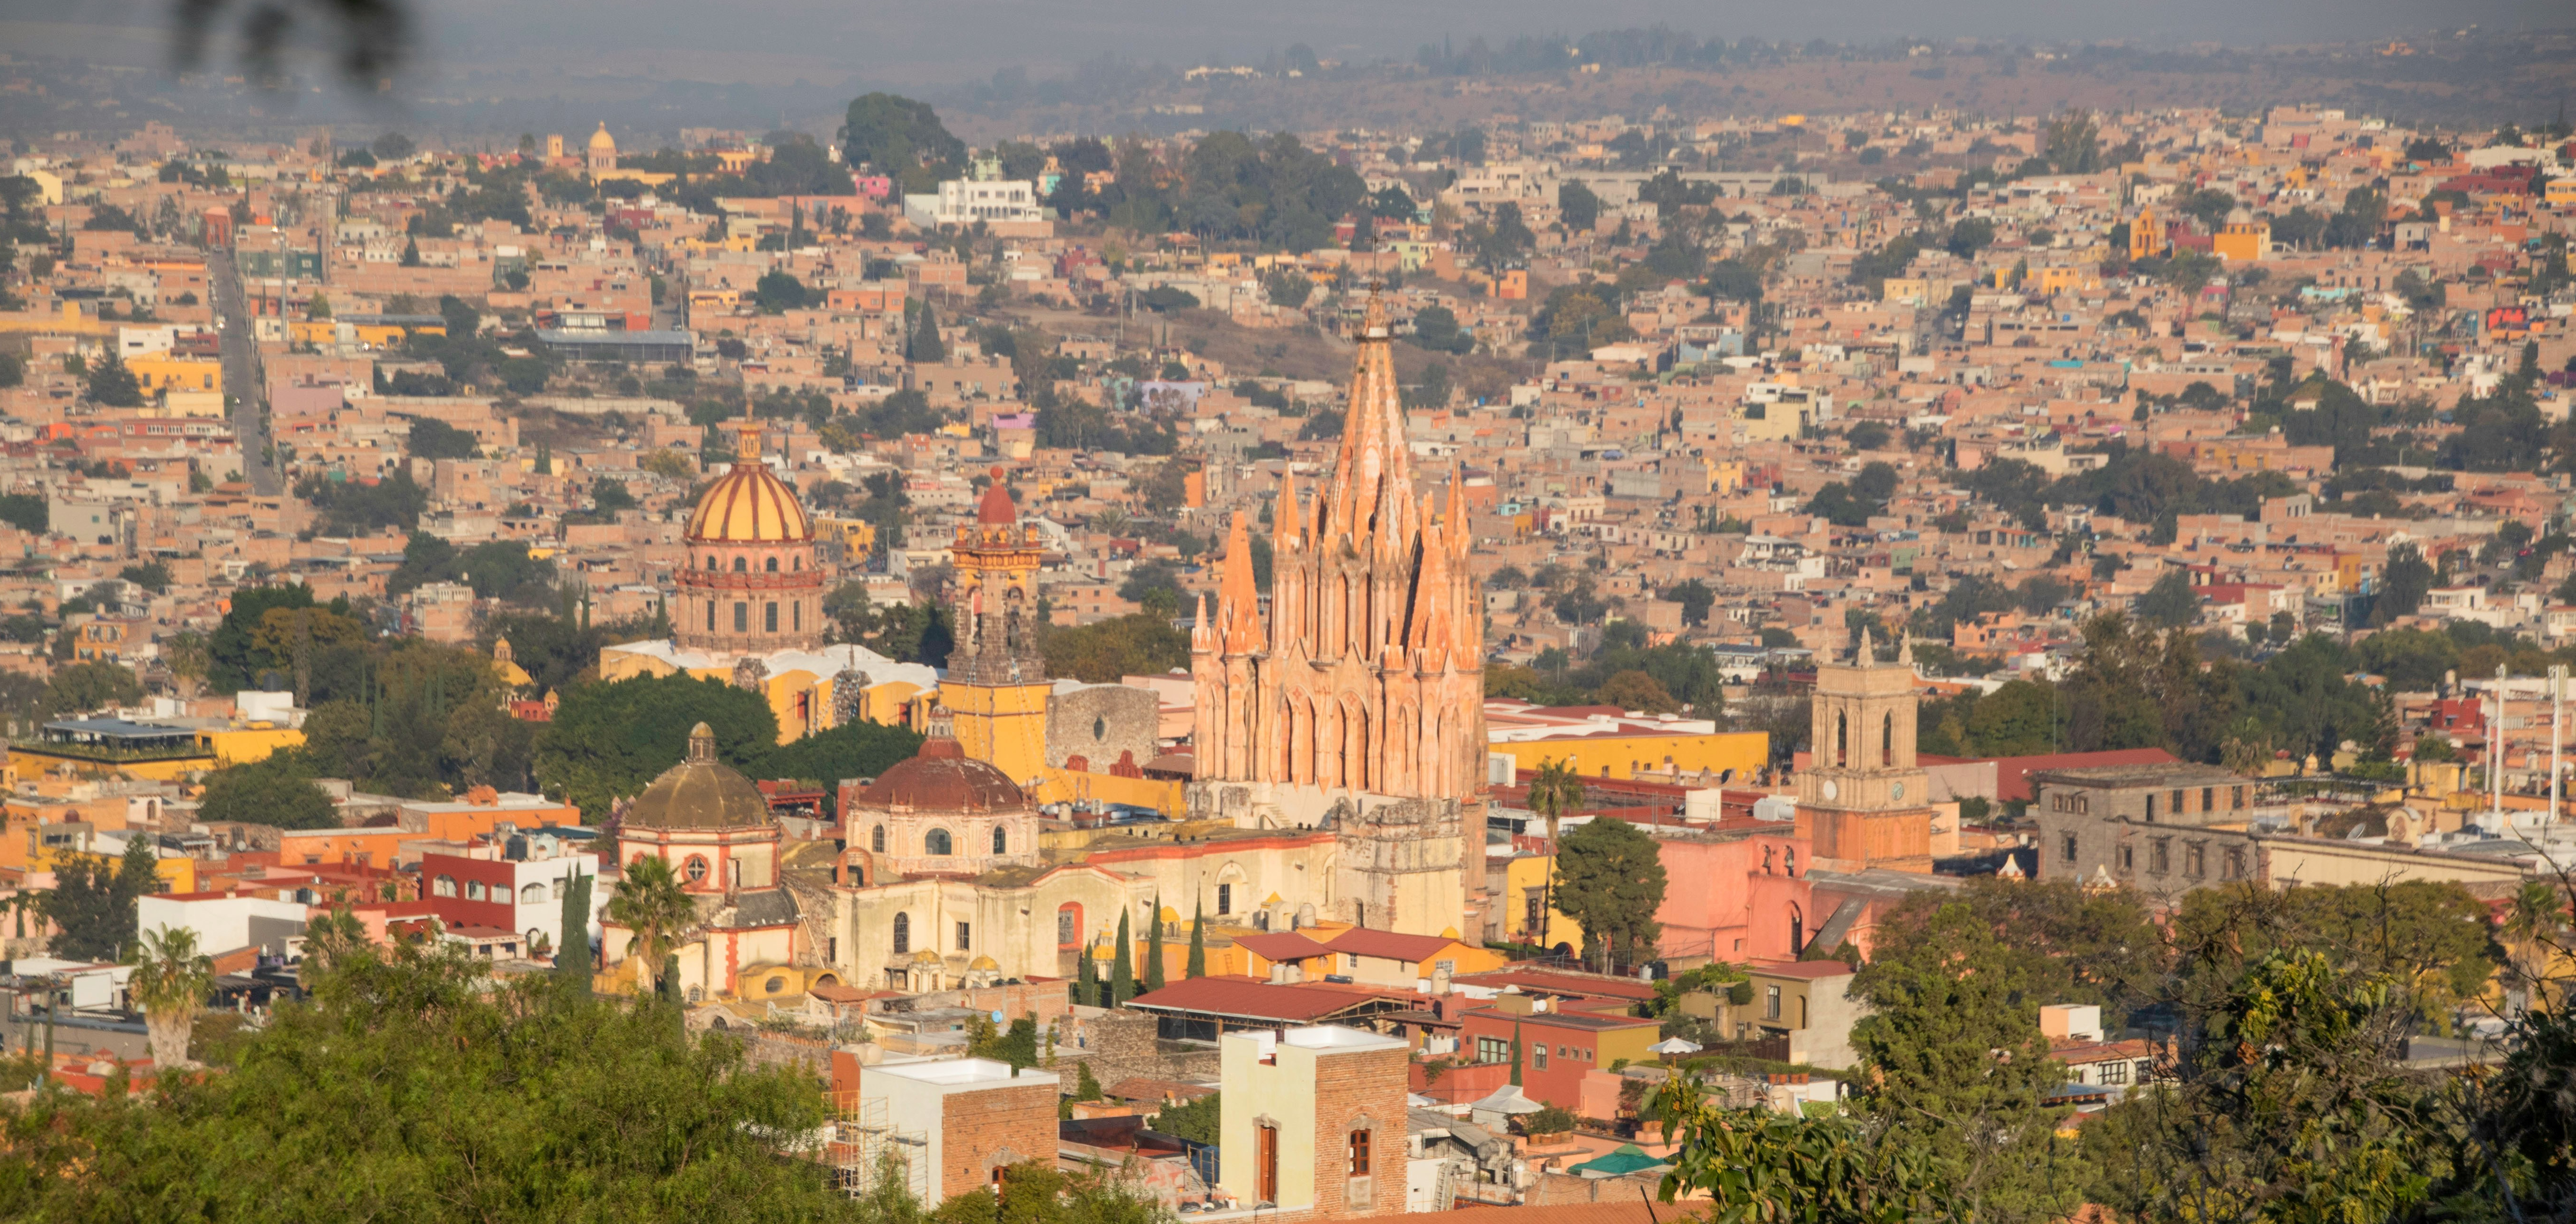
(863, 1139)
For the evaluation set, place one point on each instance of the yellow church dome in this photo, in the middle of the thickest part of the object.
(749, 505)
(601, 141)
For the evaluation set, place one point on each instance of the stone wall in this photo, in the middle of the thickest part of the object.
(1120, 1044)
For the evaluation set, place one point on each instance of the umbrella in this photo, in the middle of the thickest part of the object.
(1675, 1045)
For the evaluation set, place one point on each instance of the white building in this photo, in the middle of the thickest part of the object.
(967, 201)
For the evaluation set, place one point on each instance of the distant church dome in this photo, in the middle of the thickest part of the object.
(700, 792)
(601, 141)
(749, 505)
(997, 509)
(942, 778)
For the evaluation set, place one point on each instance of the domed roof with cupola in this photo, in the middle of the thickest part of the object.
(942, 778)
(749, 504)
(700, 792)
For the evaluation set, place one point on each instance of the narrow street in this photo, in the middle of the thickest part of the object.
(242, 381)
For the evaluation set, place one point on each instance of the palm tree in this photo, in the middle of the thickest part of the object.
(329, 942)
(170, 982)
(651, 903)
(1555, 790)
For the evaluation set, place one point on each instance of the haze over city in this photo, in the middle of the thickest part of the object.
(1130, 613)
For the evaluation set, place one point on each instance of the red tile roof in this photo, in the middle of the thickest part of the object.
(1365, 941)
(1541, 981)
(1244, 998)
(1280, 946)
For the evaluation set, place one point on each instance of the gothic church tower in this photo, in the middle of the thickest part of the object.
(1359, 700)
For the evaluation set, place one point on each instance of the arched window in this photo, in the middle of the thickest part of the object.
(1001, 841)
(769, 619)
(741, 565)
(772, 567)
(799, 565)
(443, 886)
(532, 894)
(474, 890)
(1068, 925)
(876, 839)
(1887, 740)
(1842, 740)
(902, 934)
(1789, 861)
(937, 844)
(711, 616)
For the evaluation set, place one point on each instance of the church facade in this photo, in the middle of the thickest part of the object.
(1357, 701)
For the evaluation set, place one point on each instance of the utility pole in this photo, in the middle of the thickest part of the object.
(2557, 713)
(2495, 745)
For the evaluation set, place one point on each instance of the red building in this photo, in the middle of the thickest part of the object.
(1561, 1041)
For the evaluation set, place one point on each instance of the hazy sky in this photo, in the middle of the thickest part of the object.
(773, 41)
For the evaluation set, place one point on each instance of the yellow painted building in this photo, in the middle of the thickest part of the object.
(162, 372)
(1523, 876)
(1642, 756)
(2241, 241)
(245, 744)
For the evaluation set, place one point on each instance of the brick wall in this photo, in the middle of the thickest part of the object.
(1121, 1044)
(1362, 1087)
(994, 1126)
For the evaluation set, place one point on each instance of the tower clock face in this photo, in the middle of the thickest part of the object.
(1832, 791)
(1897, 792)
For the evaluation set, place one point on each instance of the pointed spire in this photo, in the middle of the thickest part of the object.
(1239, 607)
(1285, 529)
(1905, 649)
(1867, 654)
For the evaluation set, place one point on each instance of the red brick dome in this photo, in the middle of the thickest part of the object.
(997, 509)
(942, 778)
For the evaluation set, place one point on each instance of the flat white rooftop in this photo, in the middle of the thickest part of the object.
(956, 1072)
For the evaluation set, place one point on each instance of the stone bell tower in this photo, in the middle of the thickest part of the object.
(1863, 801)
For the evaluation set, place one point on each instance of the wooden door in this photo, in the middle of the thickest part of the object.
(1266, 1154)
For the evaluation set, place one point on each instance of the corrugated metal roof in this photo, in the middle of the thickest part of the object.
(1392, 945)
(1245, 999)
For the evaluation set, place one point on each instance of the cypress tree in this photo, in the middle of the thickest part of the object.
(1154, 949)
(572, 955)
(1086, 984)
(1122, 966)
(1516, 1053)
(1197, 967)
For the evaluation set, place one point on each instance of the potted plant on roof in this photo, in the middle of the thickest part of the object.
(1548, 1126)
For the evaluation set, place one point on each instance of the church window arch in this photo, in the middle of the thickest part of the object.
(798, 564)
(902, 934)
(772, 566)
(876, 839)
(938, 844)
(741, 565)
(1887, 739)
(1842, 739)
(1001, 840)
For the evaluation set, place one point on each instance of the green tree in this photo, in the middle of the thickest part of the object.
(1956, 1064)
(656, 912)
(2017, 719)
(80, 688)
(900, 137)
(93, 899)
(112, 385)
(430, 439)
(151, 576)
(1122, 967)
(1102, 651)
(324, 1114)
(1577, 206)
(610, 740)
(2171, 602)
(1197, 964)
(276, 790)
(1612, 882)
(1154, 949)
(2403, 584)
(1196, 1120)
(573, 959)
(2066, 943)
(1757, 1167)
